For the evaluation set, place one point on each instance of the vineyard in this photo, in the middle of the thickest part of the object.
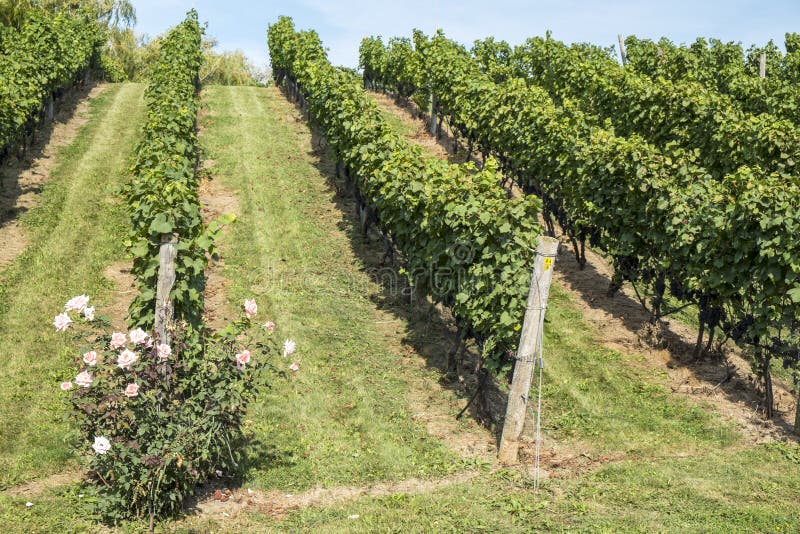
(533, 287)
(688, 195)
(38, 62)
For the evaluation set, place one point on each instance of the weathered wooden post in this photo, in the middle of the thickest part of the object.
(762, 65)
(167, 255)
(529, 350)
(623, 53)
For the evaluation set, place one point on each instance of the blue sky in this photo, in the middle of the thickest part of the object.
(241, 24)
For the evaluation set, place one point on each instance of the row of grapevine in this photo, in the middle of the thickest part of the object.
(163, 195)
(165, 413)
(723, 243)
(462, 240)
(681, 117)
(46, 55)
(703, 57)
(726, 68)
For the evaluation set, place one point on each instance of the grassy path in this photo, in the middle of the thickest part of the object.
(75, 233)
(343, 418)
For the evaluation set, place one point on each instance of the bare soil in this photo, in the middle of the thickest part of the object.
(36, 487)
(215, 201)
(226, 503)
(406, 113)
(21, 180)
(120, 274)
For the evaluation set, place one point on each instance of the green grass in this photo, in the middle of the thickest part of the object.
(659, 463)
(597, 396)
(343, 417)
(75, 232)
(754, 490)
(405, 128)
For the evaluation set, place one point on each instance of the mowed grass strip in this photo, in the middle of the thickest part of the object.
(343, 417)
(77, 230)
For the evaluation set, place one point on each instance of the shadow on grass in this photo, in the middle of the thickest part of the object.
(432, 331)
(14, 166)
(259, 453)
(734, 384)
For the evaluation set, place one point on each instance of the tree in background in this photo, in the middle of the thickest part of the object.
(115, 16)
(114, 13)
(228, 68)
(128, 56)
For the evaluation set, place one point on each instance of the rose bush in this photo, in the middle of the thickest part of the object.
(158, 419)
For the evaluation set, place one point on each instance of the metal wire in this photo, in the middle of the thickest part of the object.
(539, 363)
(539, 393)
(538, 415)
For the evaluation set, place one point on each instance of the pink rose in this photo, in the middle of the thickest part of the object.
(164, 351)
(61, 322)
(269, 325)
(138, 336)
(289, 347)
(66, 386)
(294, 367)
(76, 303)
(88, 313)
(250, 308)
(84, 379)
(132, 390)
(118, 340)
(243, 358)
(90, 358)
(126, 359)
(101, 445)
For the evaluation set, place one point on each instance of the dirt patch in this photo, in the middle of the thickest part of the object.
(730, 389)
(215, 201)
(409, 115)
(445, 146)
(21, 180)
(34, 488)
(13, 242)
(228, 503)
(120, 274)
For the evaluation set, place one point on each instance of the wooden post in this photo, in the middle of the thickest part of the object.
(167, 255)
(623, 54)
(762, 65)
(528, 352)
(433, 114)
